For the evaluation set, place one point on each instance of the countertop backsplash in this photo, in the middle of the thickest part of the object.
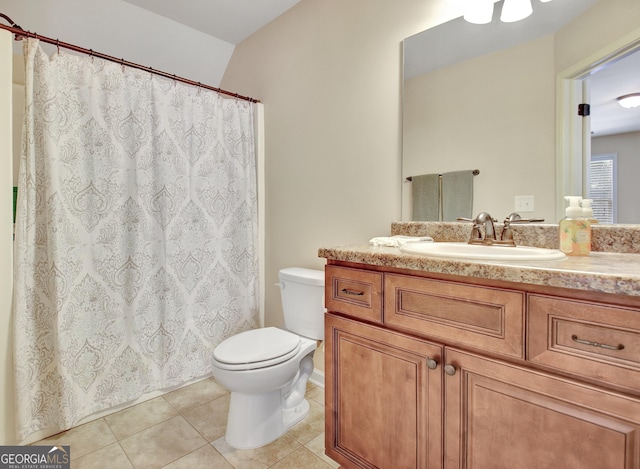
(604, 238)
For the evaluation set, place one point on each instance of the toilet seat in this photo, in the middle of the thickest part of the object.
(258, 348)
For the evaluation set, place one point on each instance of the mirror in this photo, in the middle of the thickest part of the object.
(493, 107)
(609, 138)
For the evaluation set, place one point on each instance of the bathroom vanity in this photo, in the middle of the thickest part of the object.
(435, 363)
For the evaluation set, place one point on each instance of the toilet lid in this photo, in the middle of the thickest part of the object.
(257, 346)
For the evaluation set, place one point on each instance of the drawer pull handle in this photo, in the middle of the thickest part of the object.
(352, 292)
(596, 344)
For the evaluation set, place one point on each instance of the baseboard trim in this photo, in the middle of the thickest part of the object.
(317, 377)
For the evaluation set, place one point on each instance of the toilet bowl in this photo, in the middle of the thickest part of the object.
(266, 370)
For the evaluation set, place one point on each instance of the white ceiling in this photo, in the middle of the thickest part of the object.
(616, 79)
(229, 20)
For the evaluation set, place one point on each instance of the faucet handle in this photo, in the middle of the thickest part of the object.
(507, 232)
(476, 234)
(516, 218)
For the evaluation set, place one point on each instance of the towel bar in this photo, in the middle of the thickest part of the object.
(475, 173)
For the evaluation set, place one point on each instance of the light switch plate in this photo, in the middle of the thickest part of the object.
(524, 203)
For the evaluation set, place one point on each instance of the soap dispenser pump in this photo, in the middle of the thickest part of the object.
(575, 230)
(587, 211)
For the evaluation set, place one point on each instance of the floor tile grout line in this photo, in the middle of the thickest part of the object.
(195, 407)
(141, 430)
(125, 454)
(183, 456)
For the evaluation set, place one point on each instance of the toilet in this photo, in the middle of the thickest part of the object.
(267, 369)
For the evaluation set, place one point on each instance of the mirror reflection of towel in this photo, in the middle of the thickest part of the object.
(425, 197)
(457, 195)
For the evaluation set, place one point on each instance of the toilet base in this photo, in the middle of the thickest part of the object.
(258, 419)
(295, 414)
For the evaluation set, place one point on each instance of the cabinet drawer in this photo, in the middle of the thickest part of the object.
(487, 318)
(598, 341)
(354, 292)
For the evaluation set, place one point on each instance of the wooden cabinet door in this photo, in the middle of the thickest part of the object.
(501, 416)
(383, 403)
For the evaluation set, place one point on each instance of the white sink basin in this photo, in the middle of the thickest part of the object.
(480, 251)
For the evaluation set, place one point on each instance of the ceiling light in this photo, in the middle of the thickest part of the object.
(545, 1)
(515, 10)
(479, 11)
(629, 100)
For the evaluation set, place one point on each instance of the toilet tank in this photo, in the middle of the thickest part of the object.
(302, 293)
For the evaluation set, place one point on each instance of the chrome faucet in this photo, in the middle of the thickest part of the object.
(483, 223)
(483, 219)
(483, 231)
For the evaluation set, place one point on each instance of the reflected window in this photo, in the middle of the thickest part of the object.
(602, 184)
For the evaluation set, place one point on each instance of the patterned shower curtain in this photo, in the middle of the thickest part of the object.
(136, 236)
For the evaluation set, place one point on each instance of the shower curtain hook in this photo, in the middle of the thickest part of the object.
(58, 45)
(122, 64)
(91, 54)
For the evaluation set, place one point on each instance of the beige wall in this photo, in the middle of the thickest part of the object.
(604, 23)
(494, 113)
(627, 147)
(18, 112)
(328, 72)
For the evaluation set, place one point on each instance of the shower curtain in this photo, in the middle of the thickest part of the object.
(136, 236)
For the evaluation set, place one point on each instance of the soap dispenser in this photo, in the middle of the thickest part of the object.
(575, 230)
(587, 211)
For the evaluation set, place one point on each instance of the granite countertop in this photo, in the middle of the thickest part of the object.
(606, 272)
(613, 266)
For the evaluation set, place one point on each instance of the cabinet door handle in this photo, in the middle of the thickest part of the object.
(431, 363)
(575, 338)
(450, 370)
(352, 292)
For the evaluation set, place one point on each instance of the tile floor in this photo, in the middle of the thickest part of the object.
(185, 429)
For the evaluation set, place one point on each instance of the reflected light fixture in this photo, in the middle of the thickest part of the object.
(479, 11)
(629, 100)
(515, 10)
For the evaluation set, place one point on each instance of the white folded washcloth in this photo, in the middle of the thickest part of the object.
(398, 240)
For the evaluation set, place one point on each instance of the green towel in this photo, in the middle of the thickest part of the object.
(457, 195)
(425, 197)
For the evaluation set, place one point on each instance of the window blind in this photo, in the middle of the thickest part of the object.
(602, 187)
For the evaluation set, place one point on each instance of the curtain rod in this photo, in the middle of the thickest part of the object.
(475, 173)
(20, 33)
